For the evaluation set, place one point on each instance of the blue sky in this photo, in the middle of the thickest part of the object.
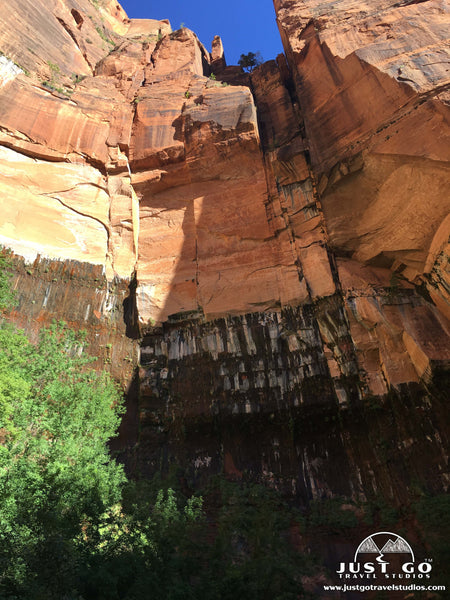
(244, 25)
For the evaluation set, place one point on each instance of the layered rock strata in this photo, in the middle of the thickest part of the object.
(372, 86)
(277, 240)
(372, 82)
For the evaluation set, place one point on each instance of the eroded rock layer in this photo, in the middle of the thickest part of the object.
(372, 82)
(278, 240)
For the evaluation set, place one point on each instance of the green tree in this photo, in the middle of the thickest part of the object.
(56, 417)
(250, 61)
(155, 544)
(253, 556)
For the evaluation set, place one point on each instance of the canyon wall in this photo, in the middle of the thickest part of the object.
(261, 259)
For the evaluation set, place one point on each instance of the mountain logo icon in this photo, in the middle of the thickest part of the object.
(384, 542)
(385, 555)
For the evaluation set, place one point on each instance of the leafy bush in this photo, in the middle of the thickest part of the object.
(251, 554)
(156, 548)
(237, 548)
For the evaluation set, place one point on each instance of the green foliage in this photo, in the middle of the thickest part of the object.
(54, 82)
(103, 35)
(25, 71)
(160, 541)
(250, 61)
(148, 39)
(77, 78)
(251, 556)
(239, 548)
(6, 294)
(56, 417)
(97, 3)
(51, 86)
(213, 77)
(54, 69)
(153, 545)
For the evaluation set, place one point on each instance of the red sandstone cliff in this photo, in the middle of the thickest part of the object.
(286, 231)
(372, 83)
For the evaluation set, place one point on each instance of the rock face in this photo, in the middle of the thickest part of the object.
(372, 82)
(373, 92)
(276, 240)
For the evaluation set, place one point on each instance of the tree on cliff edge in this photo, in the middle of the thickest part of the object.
(250, 61)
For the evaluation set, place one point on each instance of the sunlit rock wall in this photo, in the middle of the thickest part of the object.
(276, 240)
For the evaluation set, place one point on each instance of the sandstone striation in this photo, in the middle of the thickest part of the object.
(372, 86)
(277, 240)
(372, 82)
